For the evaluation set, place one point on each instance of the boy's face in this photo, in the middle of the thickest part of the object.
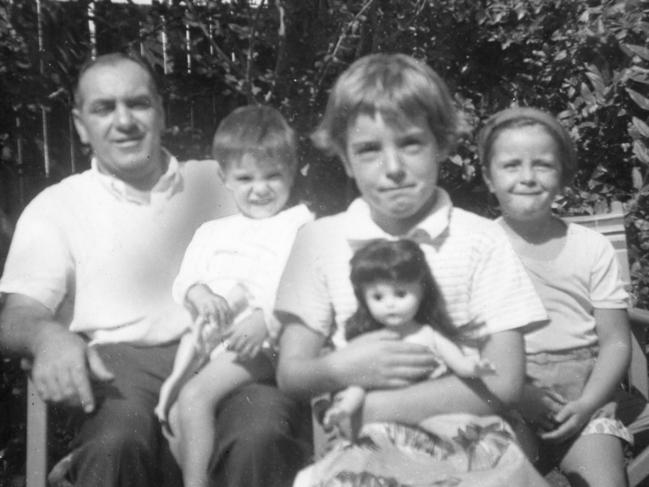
(395, 169)
(261, 188)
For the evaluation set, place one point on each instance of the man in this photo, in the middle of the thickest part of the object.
(88, 294)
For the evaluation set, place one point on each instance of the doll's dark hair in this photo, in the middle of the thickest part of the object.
(395, 260)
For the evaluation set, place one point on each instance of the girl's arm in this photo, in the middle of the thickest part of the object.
(614, 337)
(491, 394)
(460, 364)
(374, 360)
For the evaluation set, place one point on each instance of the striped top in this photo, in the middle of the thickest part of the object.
(480, 277)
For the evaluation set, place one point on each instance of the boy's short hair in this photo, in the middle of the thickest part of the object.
(396, 86)
(517, 117)
(258, 130)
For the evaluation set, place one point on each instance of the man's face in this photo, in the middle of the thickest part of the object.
(120, 116)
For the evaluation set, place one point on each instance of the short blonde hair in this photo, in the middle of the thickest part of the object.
(396, 86)
(257, 130)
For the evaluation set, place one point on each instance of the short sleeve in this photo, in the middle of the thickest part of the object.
(191, 267)
(606, 286)
(502, 295)
(302, 291)
(39, 263)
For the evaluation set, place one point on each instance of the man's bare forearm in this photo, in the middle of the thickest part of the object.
(25, 325)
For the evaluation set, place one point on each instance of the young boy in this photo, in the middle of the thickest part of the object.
(231, 269)
(391, 121)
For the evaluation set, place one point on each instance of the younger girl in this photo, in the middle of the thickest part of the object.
(576, 360)
(396, 290)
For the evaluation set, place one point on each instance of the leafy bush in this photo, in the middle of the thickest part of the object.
(587, 62)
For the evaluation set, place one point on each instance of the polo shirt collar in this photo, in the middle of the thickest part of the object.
(360, 228)
(167, 185)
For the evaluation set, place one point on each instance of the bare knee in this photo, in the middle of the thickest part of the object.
(193, 399)
(595, 461)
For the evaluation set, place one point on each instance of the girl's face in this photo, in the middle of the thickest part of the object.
(525, 172)
(395, 169)
(392, 303)
(260, 189)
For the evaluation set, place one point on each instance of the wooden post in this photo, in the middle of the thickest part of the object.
(41, 67)
(92, 30)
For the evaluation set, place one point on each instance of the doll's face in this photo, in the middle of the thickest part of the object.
(392, 303)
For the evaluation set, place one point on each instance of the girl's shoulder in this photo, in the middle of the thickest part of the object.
(581, 234)
(332, 224)
(473, 227)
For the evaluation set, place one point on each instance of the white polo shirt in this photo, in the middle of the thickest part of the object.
(102, 256)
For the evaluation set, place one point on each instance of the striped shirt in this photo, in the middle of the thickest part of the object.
(480, 277)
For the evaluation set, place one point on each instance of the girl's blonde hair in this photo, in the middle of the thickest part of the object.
(397, 87)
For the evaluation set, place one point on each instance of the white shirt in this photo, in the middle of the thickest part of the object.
(245, 251)
(102, 256)
(480, 277)
(584, 276)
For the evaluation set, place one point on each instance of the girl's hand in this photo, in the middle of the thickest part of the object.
(247, 336)
(208, 307)
(570, 420)
(380, 359)
(540, 406)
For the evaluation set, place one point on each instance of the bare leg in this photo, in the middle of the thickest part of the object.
(193, 421)
(595, 461)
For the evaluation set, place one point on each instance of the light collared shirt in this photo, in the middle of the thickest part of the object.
(170, 182)
(480, 277)
(103, 258)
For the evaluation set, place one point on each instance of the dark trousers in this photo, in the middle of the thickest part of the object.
(259, 431)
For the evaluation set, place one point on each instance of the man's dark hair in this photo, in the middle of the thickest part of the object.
(112, 59)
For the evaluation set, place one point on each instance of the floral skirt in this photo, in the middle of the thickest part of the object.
(457, 450)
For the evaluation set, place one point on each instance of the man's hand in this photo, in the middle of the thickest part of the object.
(247, 336)
(63, 368)
(380, 359)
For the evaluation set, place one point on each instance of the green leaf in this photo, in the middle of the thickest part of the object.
(641, 126)
(596, 79)
(640, 151)
(641, 101)
(638, 74)
(636, 178)
(641, 51)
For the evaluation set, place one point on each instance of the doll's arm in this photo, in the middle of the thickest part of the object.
(341, 412)
(462, 365)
